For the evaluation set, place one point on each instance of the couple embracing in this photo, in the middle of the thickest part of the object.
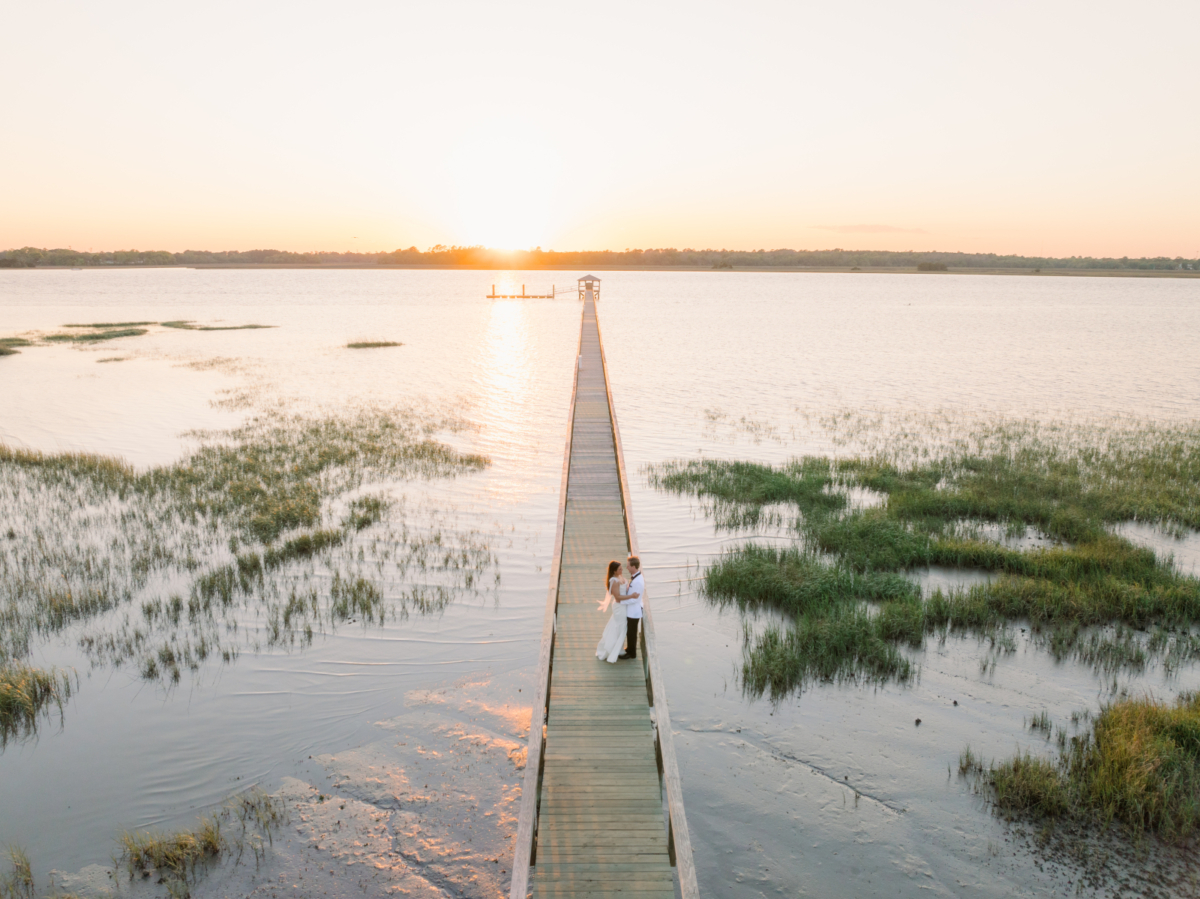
(625, 598)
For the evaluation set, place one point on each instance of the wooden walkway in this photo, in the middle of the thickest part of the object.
(594, 822)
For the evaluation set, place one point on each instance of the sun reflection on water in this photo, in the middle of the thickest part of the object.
(506, 369)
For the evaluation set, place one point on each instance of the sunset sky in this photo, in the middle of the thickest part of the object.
(1034, 128)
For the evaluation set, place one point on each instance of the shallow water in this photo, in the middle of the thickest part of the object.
(763, 366)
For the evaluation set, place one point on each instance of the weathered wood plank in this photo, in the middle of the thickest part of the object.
(593, 787)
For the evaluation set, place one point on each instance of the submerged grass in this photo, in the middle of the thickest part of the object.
(188, 325)
(18, 883)
(174, 856)
(1139, 766)
(178, 858)
(157, 568)
(7, 351)
(28, 694)
(104, 325)
(245, 822)
(843, 579)
(93, 336)
(371, 344)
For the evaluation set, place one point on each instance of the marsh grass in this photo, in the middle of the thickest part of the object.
(1041, 723)
(187, 325)
(18, 883)
(258, 539)
(969, 763)
(1139, 766)
(271, 475)
(176, 857)
(1088, 594)
(847, 644)
(8, 345)
(108, 325)
(94, 336)
(28, 694)
(371, 344)
(179, 858)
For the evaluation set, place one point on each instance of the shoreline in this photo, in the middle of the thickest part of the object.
(849, 270)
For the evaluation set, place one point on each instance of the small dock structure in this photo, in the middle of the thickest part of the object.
(589, 288)
(522, 295)
(601, 807)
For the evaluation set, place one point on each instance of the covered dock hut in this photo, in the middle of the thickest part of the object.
(589, 287)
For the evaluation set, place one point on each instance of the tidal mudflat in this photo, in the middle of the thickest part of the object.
(376, 693)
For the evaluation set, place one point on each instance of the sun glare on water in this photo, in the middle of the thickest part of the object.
(506, 188)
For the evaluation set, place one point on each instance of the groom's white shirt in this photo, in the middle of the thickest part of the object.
(633, 607)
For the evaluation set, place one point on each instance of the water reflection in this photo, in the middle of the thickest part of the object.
(504, 376)
(771, 790)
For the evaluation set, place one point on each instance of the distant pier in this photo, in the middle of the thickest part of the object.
(523, 295)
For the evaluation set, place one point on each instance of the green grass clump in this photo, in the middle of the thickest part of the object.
(92, 337)
(847, 557)
(28, 694)
(105, 325)
(1030, 786)
(1139, 765)
(847, 644)
(178, 858)
(302, 547)
(270, 478)
(8, 345)
(365, 511)
(797, 582)
(371, 344)
(18, 883)
(174, 857)
(740, 489)
(358, 598)
(187, 325)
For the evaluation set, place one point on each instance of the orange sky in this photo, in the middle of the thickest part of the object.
(1043, 129)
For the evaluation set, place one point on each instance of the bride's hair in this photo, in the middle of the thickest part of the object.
(613, 568)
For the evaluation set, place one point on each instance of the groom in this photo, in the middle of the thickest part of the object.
(633, 608)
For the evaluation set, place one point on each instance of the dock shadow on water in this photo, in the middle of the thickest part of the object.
(261, 538)
(1032, 531)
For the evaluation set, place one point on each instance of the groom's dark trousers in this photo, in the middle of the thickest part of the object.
(631, 628)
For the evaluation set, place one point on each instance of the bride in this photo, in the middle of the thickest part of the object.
(612, 641)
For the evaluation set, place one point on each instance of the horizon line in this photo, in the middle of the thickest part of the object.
(479, 249)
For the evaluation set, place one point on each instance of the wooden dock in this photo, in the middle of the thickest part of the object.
(601, 810)
(522, 295)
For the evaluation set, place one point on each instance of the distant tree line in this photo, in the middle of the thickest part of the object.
(482, 257)
(28, 257)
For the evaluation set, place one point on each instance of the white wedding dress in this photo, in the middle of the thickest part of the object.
(612, 641)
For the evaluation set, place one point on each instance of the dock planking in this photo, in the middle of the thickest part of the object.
(593, 820)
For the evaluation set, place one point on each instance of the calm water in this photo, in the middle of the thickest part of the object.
(832, 793)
